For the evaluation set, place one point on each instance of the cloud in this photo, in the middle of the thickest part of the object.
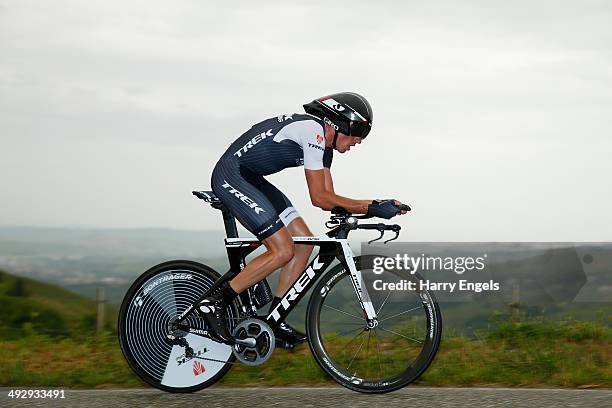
(137, 98)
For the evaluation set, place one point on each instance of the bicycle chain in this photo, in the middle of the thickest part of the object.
(216, 361)
(223, 361)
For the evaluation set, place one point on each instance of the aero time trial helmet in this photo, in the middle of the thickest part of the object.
(347, 112)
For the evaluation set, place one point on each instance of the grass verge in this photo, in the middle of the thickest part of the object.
(530, 354)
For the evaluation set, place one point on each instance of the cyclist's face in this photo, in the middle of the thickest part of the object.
(345, 142)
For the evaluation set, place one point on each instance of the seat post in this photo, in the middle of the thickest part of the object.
(231, 231)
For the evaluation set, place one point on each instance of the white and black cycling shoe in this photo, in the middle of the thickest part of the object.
(213, 309)
(288, 337)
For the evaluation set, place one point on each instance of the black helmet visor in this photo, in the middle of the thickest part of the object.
(360, 129)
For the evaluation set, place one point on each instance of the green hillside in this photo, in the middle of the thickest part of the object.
(32, 306)
(48, 338)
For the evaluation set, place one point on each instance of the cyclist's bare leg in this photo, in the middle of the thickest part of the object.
(292, 270)
(280, 251)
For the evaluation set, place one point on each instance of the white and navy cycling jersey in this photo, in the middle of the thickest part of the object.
(280, 142)
(268, 147)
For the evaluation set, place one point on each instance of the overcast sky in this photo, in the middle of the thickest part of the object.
(493, 119)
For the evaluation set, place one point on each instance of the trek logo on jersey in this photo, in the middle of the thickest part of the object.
(283, 118)
(253, 142)
(243, 198)
(315, 146)
(298, 287)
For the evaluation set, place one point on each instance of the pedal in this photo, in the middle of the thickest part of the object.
(284, 344)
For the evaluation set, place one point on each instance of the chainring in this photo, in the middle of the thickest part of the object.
(264, 342)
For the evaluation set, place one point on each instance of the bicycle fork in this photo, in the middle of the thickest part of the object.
(361, 289)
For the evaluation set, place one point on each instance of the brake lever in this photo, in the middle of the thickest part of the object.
(330, 224)
(394, 238)
(382, 232)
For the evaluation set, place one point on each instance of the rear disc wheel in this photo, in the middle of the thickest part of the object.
(189, 362)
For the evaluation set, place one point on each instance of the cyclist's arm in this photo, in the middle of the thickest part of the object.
(322, 195)
(329, 183)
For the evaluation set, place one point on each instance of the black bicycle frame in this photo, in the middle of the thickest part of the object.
(331, 247)
(238, 249)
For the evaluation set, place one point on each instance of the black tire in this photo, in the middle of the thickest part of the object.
(154, 299)
(425, 305)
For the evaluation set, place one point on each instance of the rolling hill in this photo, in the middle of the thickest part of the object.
(27, 304)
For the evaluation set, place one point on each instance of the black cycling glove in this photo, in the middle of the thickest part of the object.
(383, 209)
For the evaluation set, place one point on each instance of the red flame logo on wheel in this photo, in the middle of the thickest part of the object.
(198, 368)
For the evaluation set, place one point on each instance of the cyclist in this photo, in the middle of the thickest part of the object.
(335, 122)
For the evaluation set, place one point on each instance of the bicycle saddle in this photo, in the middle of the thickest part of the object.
(208, 196)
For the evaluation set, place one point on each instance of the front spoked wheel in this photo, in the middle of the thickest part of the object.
(148, 314)
(373, 360)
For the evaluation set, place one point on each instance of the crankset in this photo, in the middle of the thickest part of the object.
(254, 342)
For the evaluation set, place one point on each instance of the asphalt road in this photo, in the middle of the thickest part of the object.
(324, 397)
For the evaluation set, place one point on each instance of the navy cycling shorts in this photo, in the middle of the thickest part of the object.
(259, 206)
